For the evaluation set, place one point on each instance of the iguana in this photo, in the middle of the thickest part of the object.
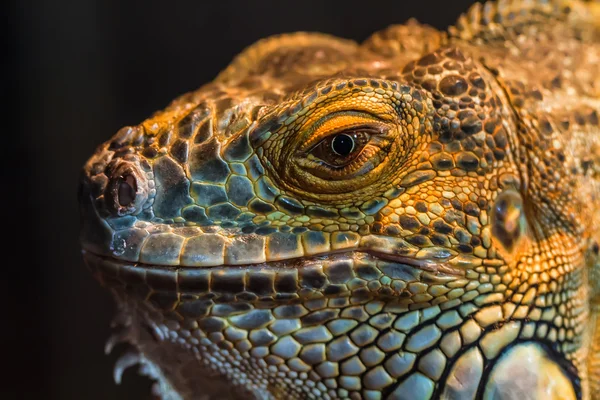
(412, 217)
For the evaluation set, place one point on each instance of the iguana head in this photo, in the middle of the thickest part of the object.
(297, 157)
(315, 185)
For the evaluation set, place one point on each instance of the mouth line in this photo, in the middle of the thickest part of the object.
(427, 265)
(436, 267)
(341, 274)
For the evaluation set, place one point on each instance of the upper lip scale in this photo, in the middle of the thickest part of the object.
(423, 264)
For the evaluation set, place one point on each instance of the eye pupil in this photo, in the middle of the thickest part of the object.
(126, 191)
(342, 144)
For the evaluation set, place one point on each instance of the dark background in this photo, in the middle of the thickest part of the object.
(78, 71)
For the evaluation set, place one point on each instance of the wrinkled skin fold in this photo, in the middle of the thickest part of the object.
(412, 217)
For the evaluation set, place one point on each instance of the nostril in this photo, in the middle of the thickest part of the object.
(126, 192)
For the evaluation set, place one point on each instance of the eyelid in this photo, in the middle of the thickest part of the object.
(338, 123)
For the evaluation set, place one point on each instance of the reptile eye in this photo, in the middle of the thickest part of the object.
(340, 149)
(126, 191)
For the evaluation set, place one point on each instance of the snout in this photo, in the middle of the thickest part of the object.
(95, 233)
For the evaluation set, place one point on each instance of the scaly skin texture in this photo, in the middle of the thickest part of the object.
(414, 217)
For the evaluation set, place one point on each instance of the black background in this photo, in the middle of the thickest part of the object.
(77, 71)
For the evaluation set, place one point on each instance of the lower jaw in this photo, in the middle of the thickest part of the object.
(170, 312)
(214, 332)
